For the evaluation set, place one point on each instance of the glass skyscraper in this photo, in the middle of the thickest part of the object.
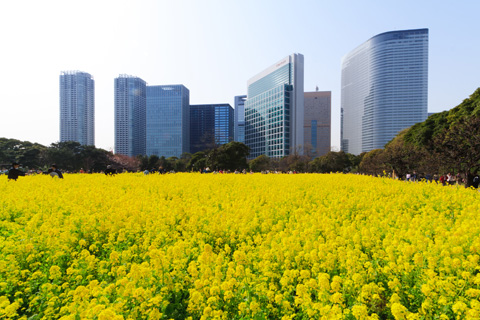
(210, 125)
(384, 89)
(239, 112)
(77, 107)
(168, 120)
(274, 110)
(130, 115)
(317, 125)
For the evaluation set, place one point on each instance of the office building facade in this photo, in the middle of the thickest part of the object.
(211, 125)
(77, 107)
(317, 123)
(384, 89)
(130, 115)
(239, 125)
(274, 110)
(168, 120)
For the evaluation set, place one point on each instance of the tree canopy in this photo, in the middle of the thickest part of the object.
(448, 141)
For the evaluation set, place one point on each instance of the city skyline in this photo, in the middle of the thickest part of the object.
(206, 56)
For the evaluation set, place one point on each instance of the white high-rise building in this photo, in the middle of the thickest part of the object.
(77, 107)
(274, 110)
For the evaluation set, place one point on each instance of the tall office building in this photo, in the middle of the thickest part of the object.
(77, 107)
(317, 122)
(130, 115)
(239, 125)
(384, 89)
(168, 120)
(210, 125)
(274, 110)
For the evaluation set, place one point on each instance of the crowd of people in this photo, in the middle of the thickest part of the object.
(14, 172)
(448, 179)
(445, 179)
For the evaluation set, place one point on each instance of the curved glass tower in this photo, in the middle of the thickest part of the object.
(384, 89)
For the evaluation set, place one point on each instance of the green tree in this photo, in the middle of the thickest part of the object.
(142, 162)
(331, 162)
(66, 155)
(232, 156)
(30, 155)
(197, 162)
(153, 162)
(459, 145)
(260, 163)
(373, 162)
(93, 158)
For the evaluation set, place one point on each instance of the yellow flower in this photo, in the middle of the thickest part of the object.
(399, 311)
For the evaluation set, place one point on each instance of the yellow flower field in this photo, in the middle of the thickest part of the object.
(237, 247)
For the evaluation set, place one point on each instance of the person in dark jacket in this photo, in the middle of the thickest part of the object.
(110, 171)
(476, 181)
(14, 173)
(53, 171)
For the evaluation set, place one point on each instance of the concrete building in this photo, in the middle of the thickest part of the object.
(384, 89)
(77, 107)
(317, 123)
(130, 115)
(168, 120)
(211, 125)
(274, 115)
(239, 125)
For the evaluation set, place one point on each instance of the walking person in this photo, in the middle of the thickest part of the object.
(14, 173)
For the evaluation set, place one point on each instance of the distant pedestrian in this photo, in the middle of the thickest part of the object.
(428, 177)
(450, 179)
(54, 172)
(110, 171)
(14, 173)
(443, 180)
(476, 181)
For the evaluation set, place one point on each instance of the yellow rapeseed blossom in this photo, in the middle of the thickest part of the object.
(193, 246)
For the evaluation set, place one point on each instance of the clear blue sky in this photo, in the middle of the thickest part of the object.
(212, 47)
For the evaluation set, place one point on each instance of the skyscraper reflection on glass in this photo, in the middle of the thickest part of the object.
(384, 89)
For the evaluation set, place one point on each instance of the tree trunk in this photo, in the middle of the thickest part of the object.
(468, 179)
